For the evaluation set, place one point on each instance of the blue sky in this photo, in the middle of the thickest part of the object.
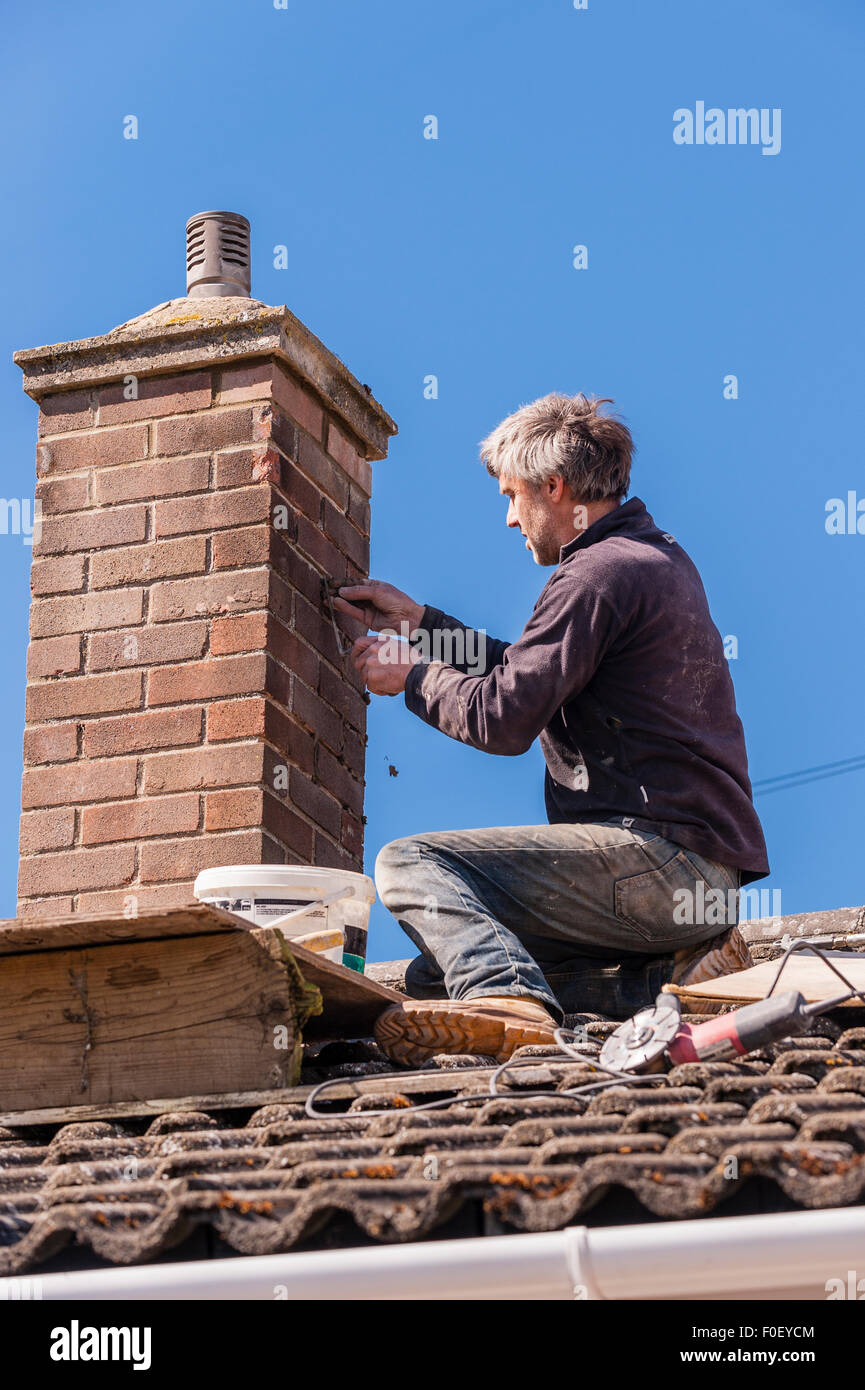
(453, 257)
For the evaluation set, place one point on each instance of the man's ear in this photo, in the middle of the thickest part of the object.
(556, 485)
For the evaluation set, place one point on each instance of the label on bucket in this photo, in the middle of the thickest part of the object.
(271, 908)
(268, 909)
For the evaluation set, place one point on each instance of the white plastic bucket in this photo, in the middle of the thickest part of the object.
(316, 898)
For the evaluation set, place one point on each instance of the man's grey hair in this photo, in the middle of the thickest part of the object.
(566, 435)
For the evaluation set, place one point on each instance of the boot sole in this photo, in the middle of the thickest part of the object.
(413, 1037)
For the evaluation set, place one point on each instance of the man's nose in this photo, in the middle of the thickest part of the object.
(511, 517)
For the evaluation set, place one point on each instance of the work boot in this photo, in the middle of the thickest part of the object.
(492, 1026)
(723, 954)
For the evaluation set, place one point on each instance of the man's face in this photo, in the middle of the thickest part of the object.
(531, 510)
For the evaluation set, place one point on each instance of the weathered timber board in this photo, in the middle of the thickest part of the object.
(351, 1002)
(433, 1083)
(141, 1018)
(107, 1009)
(804, 972)
(103, 928)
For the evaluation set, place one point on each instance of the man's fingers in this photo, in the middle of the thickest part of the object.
(350, 610)
(360, 652)
(358, 590)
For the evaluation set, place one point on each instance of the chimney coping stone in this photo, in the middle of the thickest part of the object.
(186, 333)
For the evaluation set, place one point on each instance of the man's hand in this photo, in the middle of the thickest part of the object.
(378, 605)
(383, 662)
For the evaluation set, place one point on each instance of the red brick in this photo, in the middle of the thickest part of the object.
(358, 509)
(76, 869)
(57, 575)
(291, 742)
(203, 768)
(288, 649)
(155, 478)
(50, 617)
(337, 691)
(246, 383)
(327, 556)
(353, 752)
(346, 537)
(195, 434)
(300, 576)
(156, 729)
(332, 856)
(38, 908)
(311, 624)
(207, 680)
(316, 716)
(278, 682)
(233, 809)
(299, 404)
(132, 564)
(213, 511)
(54, 656)
(147, 646)
(260, 718)
(245, 633)
(337, 779)
(157, 395)
(182, 859)
(315, 801)
(281, 431)
(340, 447)
(83, 695)
(251, 806)
(294, 834)
(68, 410)
(43, 830)
(73, 452)
(241, 467)
(78, 782)
(50, 743)
(208, 596)
(251, 545)
(234, 719)
(351, 834)
(323, 472)
(301, 492)
(132, 901)
(92, 530)
(63, 494)
(141, 819)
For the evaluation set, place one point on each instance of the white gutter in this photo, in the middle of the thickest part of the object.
(739, 1257)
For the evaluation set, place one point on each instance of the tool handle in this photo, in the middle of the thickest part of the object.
(744, 1030)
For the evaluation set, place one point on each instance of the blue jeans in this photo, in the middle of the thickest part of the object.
(583, 918)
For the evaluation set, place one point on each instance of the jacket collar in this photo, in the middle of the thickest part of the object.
(621, 518)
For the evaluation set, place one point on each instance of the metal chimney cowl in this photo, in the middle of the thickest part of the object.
(217, 256)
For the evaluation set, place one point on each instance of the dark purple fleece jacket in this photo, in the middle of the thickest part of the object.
(620, 672)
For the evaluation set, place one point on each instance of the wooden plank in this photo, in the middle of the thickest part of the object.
(60, 933)
(108, 1008)
(804, 972)
(133, 1019)
(351, 1001)
(348, 1088)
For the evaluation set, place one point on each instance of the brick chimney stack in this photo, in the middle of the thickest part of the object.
(203, 471)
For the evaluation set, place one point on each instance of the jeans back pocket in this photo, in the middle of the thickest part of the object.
(663, 905)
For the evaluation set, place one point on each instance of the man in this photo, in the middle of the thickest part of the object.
(620, 672)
